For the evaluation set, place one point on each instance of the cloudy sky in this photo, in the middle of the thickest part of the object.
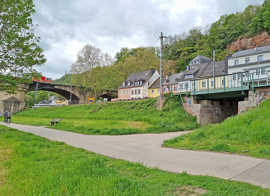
(65, 26)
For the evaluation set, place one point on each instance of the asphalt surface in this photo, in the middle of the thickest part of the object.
(146, 149)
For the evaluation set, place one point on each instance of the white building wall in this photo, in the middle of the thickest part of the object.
(136, 95)
(252, 59)
(251, 67)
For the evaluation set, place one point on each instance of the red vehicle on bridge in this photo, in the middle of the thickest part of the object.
(42, 79)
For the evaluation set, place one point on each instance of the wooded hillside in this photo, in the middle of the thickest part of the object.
(179, 49)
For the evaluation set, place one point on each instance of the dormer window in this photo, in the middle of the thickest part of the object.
(124, 84)
(260, 58)
(188, 76)
(129, 83)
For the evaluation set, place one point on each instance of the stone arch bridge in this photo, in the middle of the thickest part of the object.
(76, 94)
(15, 102)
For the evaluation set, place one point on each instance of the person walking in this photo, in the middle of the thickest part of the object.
(5, 116)
(9, 117)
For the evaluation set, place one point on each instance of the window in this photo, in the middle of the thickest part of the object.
(223, 82)
(258, 71)
(234, 76)
(132, 92)
(188, 76)
(236, 62)
(263, 71)
(260, 58)
(239, 76)
(203, 84)
(152, 91)
(186, 86)
(247, 60)
(175, 88)
(139, 91)
(212, 83)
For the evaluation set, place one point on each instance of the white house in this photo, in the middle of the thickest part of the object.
(137, 84)
(255, 61)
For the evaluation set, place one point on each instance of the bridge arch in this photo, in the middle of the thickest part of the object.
(76, 94)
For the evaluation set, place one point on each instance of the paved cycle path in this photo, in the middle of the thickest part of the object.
(146, 149)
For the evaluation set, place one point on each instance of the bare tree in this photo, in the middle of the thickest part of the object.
(89, 58)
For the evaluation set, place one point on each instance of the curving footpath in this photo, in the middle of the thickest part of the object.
(147, 150)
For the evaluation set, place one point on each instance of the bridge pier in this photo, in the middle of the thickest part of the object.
(210, 111)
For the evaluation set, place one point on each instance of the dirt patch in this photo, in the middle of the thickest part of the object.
(189, 191)
(4, 155)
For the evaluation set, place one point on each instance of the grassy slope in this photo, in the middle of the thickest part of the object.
(247, 133)
(113, 118)
(35, 166)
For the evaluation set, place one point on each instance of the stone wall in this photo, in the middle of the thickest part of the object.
(209, 111)
(254, 99)
(192, 107)
(11, 102)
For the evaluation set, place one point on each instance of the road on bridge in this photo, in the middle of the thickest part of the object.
(147, 150)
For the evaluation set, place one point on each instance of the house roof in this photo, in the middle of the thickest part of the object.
(206, 69)
(143, 76)
(155, 85)
(200, 71)
(199, 59)
(252, 51)
(174, 78)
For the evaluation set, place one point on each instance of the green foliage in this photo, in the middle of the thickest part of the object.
(111, 77)
(113, 118)
(32, 98)
(228, 28)
(19, 50)
(36, 166)
(247, 134)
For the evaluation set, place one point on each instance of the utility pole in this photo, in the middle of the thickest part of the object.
(214, 68)
(36, 89)
(161, 65)
(70, 95)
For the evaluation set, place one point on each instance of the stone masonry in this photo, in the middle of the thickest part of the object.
(255, 97)
(210, 111)
(11, 102)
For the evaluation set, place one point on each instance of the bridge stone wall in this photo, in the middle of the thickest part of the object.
(210, 111)
(254, 99)
(11, 102)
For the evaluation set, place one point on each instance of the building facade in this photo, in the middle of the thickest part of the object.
(255, 62)
(154, 89)
(137, 84)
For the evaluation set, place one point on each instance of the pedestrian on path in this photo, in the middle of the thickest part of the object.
(8, 117)
(5, 116)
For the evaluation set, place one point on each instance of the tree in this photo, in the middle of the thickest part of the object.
(19, 50)
(84, 69)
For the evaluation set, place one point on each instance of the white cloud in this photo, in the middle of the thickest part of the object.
(66, 25)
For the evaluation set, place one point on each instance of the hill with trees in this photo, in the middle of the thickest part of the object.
(99, 71)
(219, 36)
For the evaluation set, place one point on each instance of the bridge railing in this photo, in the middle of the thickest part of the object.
(219, 84)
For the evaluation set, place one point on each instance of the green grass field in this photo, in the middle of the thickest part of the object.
(247, 134)
(33, 166)
(113, 118)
